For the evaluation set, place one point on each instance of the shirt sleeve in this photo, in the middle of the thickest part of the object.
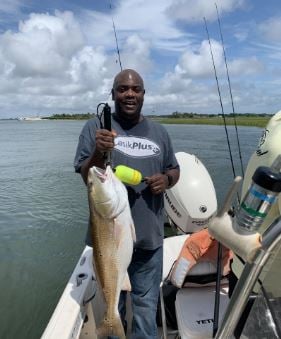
(86, 144)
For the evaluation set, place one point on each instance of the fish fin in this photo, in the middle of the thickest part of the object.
(111, 327)
(126, 285)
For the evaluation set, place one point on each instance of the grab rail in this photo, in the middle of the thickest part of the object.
(270, 242)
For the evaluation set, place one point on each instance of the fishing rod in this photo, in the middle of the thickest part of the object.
(230, 92)
(106, 111)
(220, 98)
(116, 40)
(219, 257)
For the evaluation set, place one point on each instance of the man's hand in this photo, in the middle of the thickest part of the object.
(104, 140)
(158, 183)
(104, 143)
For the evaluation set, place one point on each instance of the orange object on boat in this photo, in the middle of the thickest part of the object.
(200, 246)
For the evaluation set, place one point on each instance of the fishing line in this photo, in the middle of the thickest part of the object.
(120, 64)
(219, 92)
(116, 40)
(218, 280)
(230, 93)
(104, 116)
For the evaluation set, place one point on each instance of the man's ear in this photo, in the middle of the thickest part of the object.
(112, 94)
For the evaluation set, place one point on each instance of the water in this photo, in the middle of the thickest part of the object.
(44, 211)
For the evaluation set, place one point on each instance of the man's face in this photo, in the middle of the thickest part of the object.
(128, 94)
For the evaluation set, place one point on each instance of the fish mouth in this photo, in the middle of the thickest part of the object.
(100, 173)
(96, 185)
(104, 192)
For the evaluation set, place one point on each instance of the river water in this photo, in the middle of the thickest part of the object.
(44, 211)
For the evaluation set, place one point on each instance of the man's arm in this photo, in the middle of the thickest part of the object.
(161, 181)
(104, 143)
(96, 159)
(172, 177)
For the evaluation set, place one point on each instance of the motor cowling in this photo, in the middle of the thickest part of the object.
(192, 202)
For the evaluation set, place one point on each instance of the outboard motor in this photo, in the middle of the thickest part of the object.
(192, 202)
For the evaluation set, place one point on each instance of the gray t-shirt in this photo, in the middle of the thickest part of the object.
(147, 148)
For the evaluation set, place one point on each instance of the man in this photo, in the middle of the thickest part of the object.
(145, 146)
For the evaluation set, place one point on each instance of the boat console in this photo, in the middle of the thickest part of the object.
(260, 278)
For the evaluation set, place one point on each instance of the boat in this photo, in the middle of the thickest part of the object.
(29, 119)
(199, 304)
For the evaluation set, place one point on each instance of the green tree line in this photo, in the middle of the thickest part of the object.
(76, 116)
(174, 115)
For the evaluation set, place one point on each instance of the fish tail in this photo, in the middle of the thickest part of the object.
(111, 327)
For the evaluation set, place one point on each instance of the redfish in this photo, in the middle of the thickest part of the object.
(113, 236)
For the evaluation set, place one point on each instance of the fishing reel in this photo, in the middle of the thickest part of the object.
(105, 123)
(104, 116)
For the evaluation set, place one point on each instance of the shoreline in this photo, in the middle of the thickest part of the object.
(248, 121)
(218, 121)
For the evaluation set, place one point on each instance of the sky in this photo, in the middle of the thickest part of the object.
(61, 56)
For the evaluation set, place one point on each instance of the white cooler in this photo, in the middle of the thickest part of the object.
(195, 311)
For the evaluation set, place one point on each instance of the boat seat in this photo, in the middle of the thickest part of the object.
(171, 250)
(194, 304)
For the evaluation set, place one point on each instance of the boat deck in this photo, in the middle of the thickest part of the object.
(89, 328)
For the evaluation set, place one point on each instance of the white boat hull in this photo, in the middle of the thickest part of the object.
(69, 315)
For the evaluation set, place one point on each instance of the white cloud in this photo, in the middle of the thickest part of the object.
(149, 20)
(66, 62)
(192, 85)
(198, 63)
(271, 29)
(88, 67)
(42, 46)
(182, 95)
(246, 66)
(194, 10)
(175, 83)
(136, 54)
(47, 63)
(97, 28)
(139, 16)
(241, 33)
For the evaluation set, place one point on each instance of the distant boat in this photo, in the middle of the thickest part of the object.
(29, 118)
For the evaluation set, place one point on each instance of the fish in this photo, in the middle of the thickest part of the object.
(113, 236)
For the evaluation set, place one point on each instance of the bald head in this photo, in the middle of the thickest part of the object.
(128, 94)
(127, 74)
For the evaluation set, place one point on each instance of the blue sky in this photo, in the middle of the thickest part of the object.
(60, 56)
